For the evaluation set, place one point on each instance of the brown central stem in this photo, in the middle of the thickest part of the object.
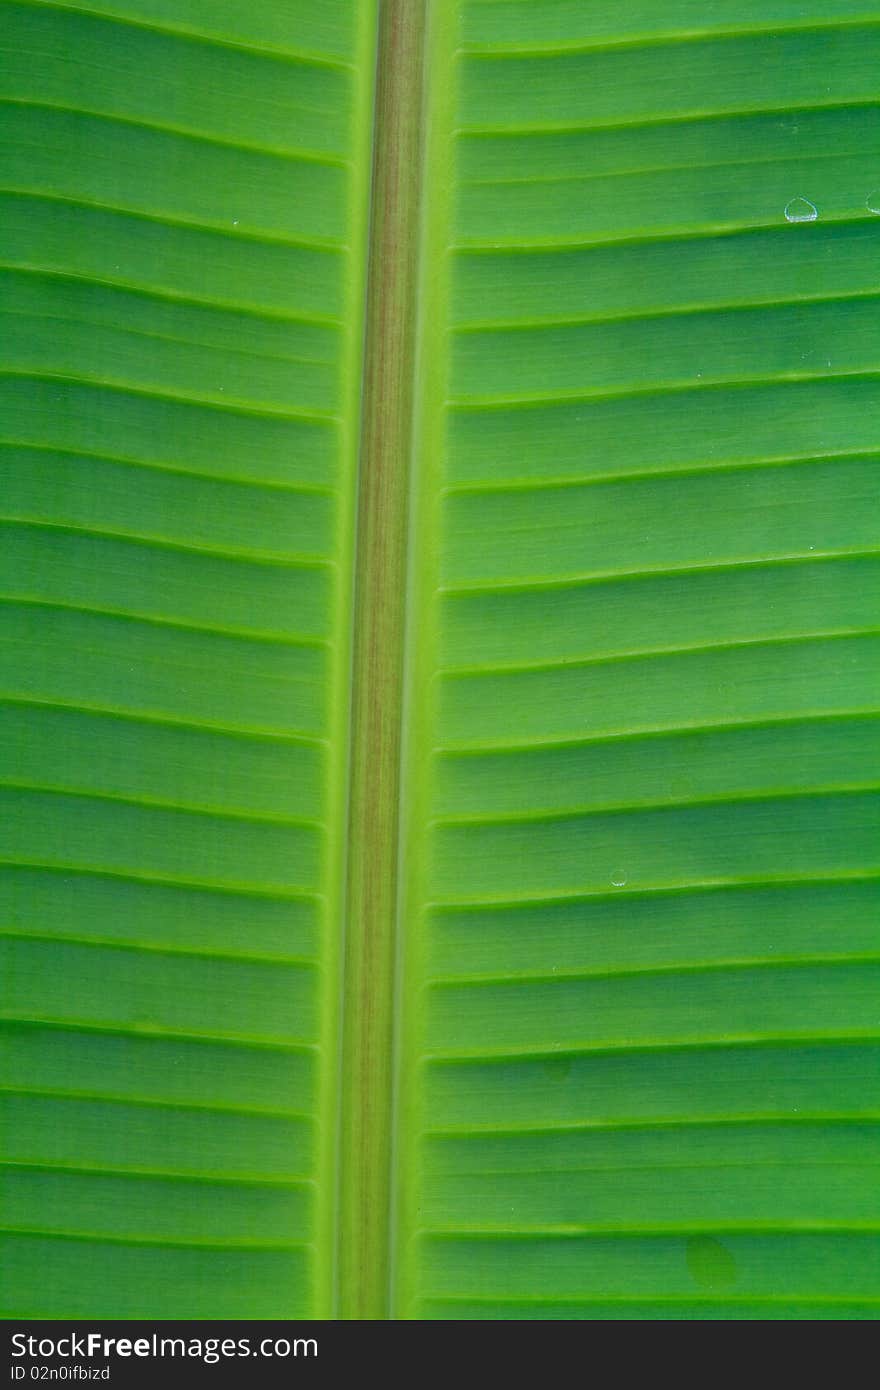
(365, 1196)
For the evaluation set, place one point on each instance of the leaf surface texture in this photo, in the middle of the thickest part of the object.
(630, 1008)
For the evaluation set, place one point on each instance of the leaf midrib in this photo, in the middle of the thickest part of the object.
(365, 1197)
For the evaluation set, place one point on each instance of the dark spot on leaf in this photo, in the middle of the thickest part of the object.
(557, 1068)
(710, 1263)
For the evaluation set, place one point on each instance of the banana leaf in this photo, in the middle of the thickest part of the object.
(439, 599)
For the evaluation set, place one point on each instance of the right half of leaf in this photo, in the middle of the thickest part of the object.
(641, 1038)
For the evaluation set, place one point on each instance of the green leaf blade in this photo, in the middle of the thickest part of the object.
(438, 593)
(182, 299)
(647, 884)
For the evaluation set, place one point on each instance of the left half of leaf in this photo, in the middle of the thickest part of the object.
(184, 211)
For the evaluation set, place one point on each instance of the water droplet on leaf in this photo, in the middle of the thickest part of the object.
(872, 202)
(801, 210)
(618, 878)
